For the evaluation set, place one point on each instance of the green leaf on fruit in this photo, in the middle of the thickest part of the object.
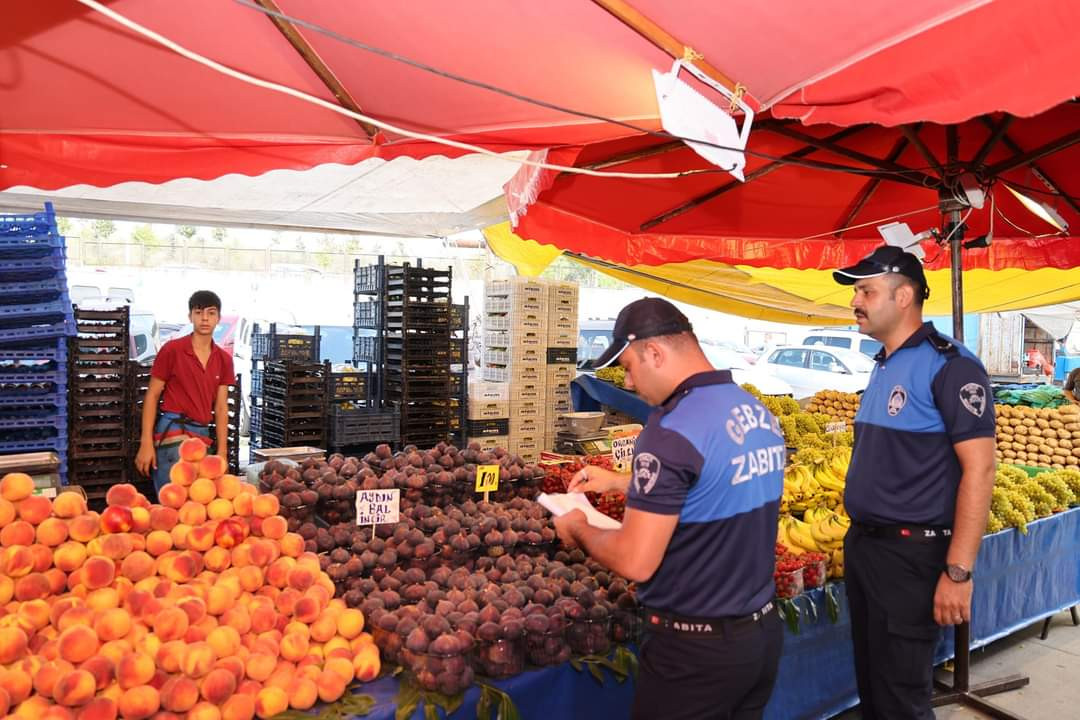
(832, 603)
(790, 612)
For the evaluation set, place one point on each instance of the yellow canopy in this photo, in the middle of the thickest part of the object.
(796, 296)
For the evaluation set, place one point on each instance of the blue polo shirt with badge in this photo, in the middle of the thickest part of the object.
(714, 456)
(930, 394)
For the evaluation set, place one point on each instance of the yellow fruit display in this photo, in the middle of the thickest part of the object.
(1043, 437)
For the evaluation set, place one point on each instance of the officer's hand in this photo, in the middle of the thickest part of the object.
(952, 601)
(146, 459)
(566, 527)
(598, 480)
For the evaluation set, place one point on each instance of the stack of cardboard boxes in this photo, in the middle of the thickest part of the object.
(561, 357)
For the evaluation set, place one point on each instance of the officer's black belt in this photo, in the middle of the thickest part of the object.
(663, 621)
(917, 533)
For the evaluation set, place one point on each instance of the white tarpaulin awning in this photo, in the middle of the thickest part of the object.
(436, 196)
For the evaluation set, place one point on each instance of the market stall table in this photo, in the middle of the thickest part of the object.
(588, 394)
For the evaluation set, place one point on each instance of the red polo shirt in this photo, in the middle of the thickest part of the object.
(190, 388)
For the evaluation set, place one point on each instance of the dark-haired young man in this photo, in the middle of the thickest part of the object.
(191, 375)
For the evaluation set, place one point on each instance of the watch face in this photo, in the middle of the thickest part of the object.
(958, 574)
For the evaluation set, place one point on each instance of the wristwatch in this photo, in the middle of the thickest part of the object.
(957, 573)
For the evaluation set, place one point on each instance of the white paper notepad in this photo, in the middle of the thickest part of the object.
(562, 503)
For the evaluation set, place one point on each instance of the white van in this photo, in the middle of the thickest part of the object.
(846, 339)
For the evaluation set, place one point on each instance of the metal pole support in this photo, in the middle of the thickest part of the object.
(961, 692)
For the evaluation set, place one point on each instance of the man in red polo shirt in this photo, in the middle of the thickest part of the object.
(191, 374)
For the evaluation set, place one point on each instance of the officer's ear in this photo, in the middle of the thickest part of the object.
(654, 353)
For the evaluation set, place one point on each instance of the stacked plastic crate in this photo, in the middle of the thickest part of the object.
(138, 381)
(353, 424)
(234, 412)
(294, 404)
(35, 321)
(459, 372)
(563, 298)
(267, 347)
(515, 349)
(98, 389)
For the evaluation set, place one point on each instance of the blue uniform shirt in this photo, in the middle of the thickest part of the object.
(714, 456)
(928, 395)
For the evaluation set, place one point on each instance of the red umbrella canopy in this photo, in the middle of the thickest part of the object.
(88, 101)
(814, 196)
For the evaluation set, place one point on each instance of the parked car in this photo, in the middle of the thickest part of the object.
(742, 372)
(811, 368)
(847, 339)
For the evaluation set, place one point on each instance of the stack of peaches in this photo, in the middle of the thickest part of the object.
(203, 606)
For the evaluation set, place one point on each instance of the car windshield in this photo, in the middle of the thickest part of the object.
(870, 348)
(855, 361)
(723, 358)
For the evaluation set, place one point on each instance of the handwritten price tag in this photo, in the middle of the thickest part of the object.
(487, 478)
(622, 452)
(378, 507)
(836, 427)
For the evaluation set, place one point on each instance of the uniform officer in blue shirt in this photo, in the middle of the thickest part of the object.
(700, 525)
(918, 488)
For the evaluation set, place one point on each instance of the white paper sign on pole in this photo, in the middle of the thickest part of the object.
(378, 507)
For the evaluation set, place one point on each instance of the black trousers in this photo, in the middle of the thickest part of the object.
(890, 588)
(690, 677)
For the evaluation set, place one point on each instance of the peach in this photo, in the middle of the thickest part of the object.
(52, 531)
(117, 519)
(194, 608)
(192, 513)
(228, 486)
(103, 599)
(179, 694)
(135, 669)
(164, 519)
(239, 706)
(342, 666)
(218, 686)
(300, 578)
(140, 518)
(13, 644)
(303, 694)
(201, 538)
(193, 450)
(224, 640)
(324, 628)
(219, 509)
(183, 473)
(213, 467)
(204, 711)
(263, 553)
(202, 491)
(171, 656)
(68, 504)
(367, 663)
(139, 703)
(292, 545)
(331, 686)
(7, 512)
(17, 532)
(243, 504)
(350, 623)
(17, 561)
(74, 688)
(217, 559)
(34, 586)
(47, 675)
(270, 701)
(98, 572)
(173, 496)
(35, 509)
(99, 708)
(74, 616)
(85, 527)
(234, 665)
(102, 669)
(264, 506)
(16, 486)
(307, 610)
(78, 643)
(171, 624)
(33, 707)
(294, 647)
(260, 666)
(138, 565)
(113, 624)
(274, 527)
(199, 659)
(122, 494)
(70, 556)
(116, 547)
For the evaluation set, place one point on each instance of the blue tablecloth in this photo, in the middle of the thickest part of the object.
(588, 394)
(1020, 579)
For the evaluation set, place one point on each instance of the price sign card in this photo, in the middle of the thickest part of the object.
(836, 427)
(487, 478)
(378, 507)
(622, 452)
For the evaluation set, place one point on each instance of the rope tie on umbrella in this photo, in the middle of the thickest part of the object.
(736, 97)
(689, 54)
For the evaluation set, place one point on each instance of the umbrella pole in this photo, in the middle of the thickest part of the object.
(955, 233)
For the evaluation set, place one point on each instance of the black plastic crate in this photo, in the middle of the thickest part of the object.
(487, 428)
(366, 349)
(459, 317)
(457, 384)
(346, 385)
(368, 315)
(368, 279)
(561, 356)
(364, 425)
(274, 346)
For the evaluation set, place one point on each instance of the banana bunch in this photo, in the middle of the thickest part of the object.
(821, 531)
(815, 479)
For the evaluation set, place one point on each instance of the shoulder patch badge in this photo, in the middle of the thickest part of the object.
(646, 472)
(897, 400)
(973, 398)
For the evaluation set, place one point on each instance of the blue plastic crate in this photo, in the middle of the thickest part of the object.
(23, 382)
(22, 336)
(45, 444)
(28, 246)
(56, 400)
(29, 223)
(42, 268)
(34, 291)
(55, 351)
(34, 313)
(13, 418)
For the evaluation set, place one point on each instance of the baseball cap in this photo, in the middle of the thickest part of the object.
(645, 318)
(884, 260)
